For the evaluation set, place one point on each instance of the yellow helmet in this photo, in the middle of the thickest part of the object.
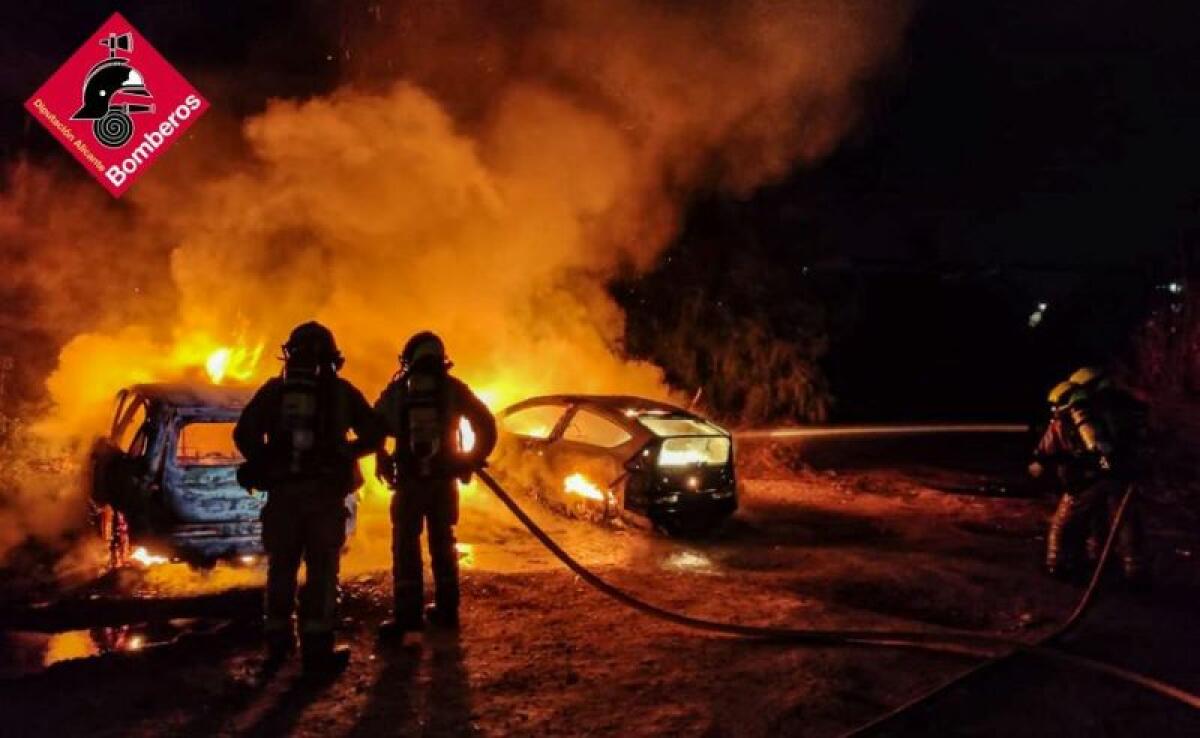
(1061, 392)
(1089, 377)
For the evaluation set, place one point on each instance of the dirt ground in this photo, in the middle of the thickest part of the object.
(540, 653)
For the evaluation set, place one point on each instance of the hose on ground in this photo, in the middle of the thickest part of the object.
(947, 641)
(1067, 625)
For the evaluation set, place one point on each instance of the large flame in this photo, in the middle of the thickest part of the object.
(490, 196)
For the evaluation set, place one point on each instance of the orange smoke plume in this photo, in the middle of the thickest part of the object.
(487, 196)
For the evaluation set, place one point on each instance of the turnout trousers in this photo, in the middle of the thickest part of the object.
(430, 504)
(1087, 514)
(303, 522)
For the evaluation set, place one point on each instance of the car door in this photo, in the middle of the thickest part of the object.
(118, 461)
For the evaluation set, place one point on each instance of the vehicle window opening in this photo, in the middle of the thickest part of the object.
(206, 444)
(590, 428)
(533, 422)
(679, 426)
(131, 430)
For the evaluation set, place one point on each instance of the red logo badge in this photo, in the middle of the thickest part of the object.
(117, 105)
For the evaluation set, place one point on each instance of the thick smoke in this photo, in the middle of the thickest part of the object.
(480, 181)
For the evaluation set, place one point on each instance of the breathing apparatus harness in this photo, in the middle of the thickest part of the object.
(424, 409)
(307, 402)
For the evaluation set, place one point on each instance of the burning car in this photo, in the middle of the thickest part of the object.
(609, 455)
(164, 478)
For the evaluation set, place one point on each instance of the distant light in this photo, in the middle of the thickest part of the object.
(1035, 318)
(1175, 288)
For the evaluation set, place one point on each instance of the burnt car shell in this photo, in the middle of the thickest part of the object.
(193, 507)
(580, 432)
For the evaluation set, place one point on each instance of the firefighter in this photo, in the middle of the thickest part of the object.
(1080, 445)
(424, 409)
(294, 437)
(1121, 422)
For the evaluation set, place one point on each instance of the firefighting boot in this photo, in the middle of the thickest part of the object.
(320, 657)
(395, 629)
(406, 617)
(442, 617)
(280, 647)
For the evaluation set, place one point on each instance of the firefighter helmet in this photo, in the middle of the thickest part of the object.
(1061, 393)
(1090, 377)
(312, 342)
(110, 77)
(424, 346)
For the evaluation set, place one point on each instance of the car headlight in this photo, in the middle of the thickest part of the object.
(693, 451)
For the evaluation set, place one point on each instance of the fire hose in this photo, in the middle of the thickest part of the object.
(946, 641)
(1059, 632)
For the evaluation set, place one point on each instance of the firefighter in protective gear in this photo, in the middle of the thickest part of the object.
(294, 435)
(443, 432)
(1089, 444)
(1113, 416)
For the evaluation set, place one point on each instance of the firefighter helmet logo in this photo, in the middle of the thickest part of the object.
(107, 93)
(117, 110)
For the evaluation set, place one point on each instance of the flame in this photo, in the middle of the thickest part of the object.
(143, 557)
(466, 554)
(234, 362)
(577, 484)
(472, 226)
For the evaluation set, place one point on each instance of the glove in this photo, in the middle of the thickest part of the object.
(385, 468)
(250, 477)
